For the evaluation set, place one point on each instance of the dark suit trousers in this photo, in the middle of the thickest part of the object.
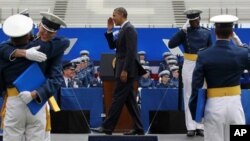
(123, 94)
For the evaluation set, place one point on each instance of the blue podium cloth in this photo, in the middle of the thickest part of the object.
(84, 99)
(29, 80)
(161, 99)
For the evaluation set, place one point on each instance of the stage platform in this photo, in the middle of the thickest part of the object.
(161, 137)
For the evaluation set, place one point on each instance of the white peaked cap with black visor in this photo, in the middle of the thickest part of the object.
(222, 21)
(51, 22)
(17, 25)
(84, 52)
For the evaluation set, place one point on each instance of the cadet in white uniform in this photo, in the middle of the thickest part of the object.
(18, 120)
(193, 39)
(47, 31)
(222, 66)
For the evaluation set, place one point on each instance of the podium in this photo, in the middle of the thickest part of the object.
(107, 75)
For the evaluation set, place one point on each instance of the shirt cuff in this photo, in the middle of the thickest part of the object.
(108, 32)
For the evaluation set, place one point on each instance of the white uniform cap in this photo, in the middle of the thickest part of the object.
(84, 52)
(51, 22)
(171, 57)
(164, 72)
(85, 59)
(224, 19)
(17, 25)
(76, 60)
(173, 68)
(166, 54)
(141, 53)
(171, 62)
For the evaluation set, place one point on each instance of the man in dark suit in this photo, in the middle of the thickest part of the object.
(127, 69)
(222, 66)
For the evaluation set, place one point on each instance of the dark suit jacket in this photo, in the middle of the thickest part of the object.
(126, 51)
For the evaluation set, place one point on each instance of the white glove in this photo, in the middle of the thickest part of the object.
(34, 55)
(26, 96)
(185, 26)
(236, 40)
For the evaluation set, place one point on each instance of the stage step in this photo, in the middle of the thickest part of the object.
(122, 138)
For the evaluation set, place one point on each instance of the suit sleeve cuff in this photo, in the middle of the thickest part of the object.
(38, 98)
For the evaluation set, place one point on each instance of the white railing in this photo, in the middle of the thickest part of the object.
(142, 13)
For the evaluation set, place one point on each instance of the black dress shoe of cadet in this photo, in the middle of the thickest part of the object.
(134, 132)
(101, 130)
(191, 133)
(200, 132)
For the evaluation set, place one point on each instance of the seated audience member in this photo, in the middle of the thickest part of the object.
(90, 62)
(77, 62)
(174, 81)
(69, 76)
(171, 63)
(97, 82)
(164, 80)
(90, 67)
(142, 56)
(163, 65)
(146, 81)
(83, 73)
(171, 57)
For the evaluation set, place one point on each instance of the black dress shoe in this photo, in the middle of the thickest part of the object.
(191, 133)
(134, 132)
(101, 130)
(200, 132)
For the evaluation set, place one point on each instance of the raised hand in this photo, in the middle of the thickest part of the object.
(110, 24)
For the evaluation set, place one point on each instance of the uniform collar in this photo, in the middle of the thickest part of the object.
(223, 39)
(124, 23)
(222, 42)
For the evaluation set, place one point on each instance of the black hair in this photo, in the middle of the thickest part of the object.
(122, 10)
(223, 31)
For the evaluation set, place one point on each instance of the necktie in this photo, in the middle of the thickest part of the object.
(70, 83)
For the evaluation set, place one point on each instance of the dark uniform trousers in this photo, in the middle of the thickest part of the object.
(123, 94)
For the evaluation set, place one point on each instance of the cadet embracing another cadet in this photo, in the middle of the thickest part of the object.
(16, 56)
